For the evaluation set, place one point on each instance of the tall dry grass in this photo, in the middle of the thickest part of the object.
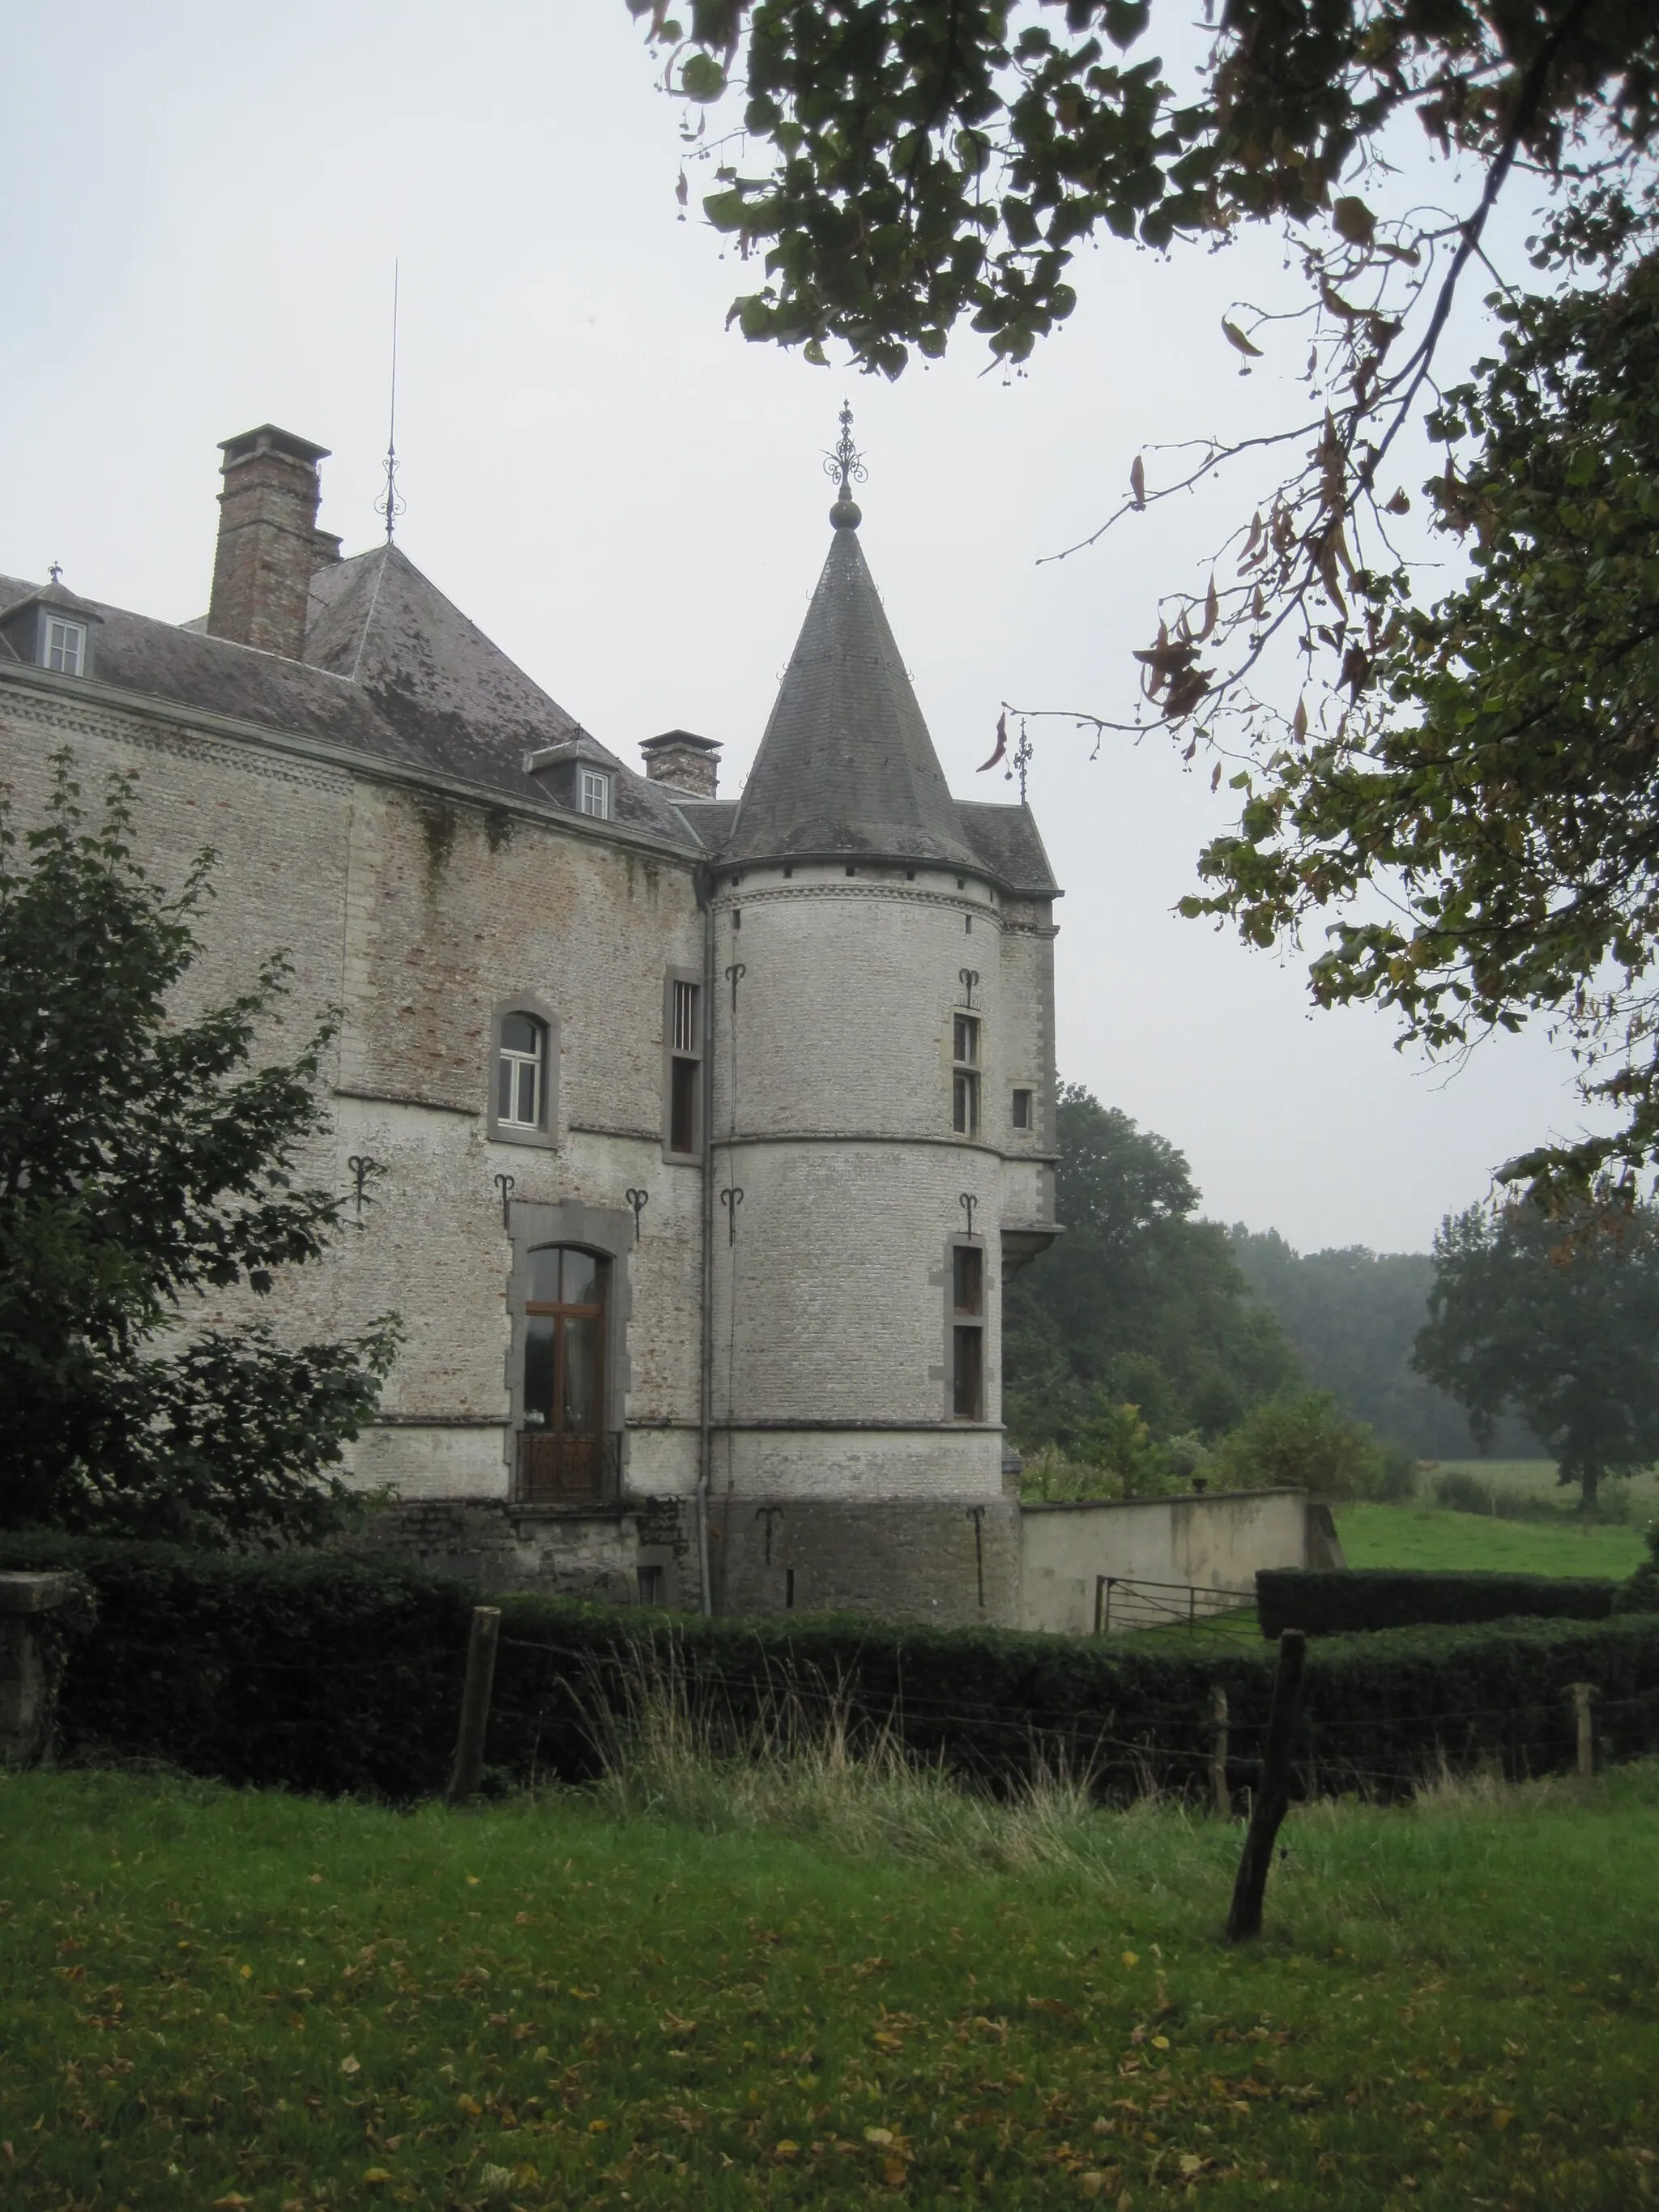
(804, 1768)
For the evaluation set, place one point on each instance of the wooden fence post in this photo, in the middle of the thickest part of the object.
(1218, 1789)
(1581, 1694)
(1268, 1806)
(468, 1770)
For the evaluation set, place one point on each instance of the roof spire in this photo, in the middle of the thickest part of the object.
(391, 502)
(846, 463)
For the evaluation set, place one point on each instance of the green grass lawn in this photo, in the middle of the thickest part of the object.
(224, 2000)
(1427, 1536)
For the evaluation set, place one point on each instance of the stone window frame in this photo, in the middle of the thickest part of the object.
(546, 1136)
(609, 1232)
(955, 1320)
(671, 1153)
(1028, 1090)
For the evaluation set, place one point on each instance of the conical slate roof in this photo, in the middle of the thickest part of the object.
(847, 765)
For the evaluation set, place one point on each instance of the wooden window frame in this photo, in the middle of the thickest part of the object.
(597, 783)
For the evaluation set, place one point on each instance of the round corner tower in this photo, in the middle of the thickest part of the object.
(882, 1141)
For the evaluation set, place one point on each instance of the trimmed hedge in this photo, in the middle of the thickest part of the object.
(1339, 1600)
(329, 1673)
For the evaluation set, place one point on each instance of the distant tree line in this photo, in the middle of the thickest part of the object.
(1142, 1304)
(1354, 1315)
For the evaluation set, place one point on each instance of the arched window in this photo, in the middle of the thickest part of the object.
(521, 1073)
(562, 1443)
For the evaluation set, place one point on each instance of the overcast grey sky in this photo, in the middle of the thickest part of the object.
(205, 200)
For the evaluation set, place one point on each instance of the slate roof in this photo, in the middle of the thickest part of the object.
(394, 670)
(847, 765)
(1008, 843)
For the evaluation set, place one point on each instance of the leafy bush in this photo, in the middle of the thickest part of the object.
(1306, 1441)
(1397, 1475)
(1333, 1601)
(1641, 1593)
(330, 1673)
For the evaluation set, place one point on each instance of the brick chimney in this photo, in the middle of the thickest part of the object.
(269, 542)
(690, 764)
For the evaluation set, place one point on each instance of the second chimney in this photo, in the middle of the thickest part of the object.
(268, 543)
(690, 764)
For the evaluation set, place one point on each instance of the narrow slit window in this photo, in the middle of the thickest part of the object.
(967, 1278)
(521, 1073)
(968, 1373)
(684, 1064)
(965, 1074)
(1022, 1109)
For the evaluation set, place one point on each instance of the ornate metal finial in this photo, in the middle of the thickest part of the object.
(389, 504)
(847, 464)
(56, 571)
(1022, 758)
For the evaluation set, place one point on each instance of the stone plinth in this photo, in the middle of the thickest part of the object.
(27, 1678)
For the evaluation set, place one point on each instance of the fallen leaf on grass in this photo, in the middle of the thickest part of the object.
(892, 2172)
(376, 2174)
(881, 2136)
(351, 2066)
(787, 2150)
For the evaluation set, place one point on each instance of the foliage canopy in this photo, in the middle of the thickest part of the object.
(1483, 763)
(1137, 1303)
(145, 1162)
(1559, 1319)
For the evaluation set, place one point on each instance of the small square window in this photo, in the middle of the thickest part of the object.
(66, 646)
(1022, 1109)
(594, 794)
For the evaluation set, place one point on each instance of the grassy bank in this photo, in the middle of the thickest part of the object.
(1426, 1536)
(222, 1999)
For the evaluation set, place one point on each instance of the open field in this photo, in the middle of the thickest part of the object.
(1536, 1477)
(1428, 1536)
(216, 1999)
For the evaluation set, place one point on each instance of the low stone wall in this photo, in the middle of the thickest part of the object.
(642, 1552)
(951, 1562)
(1213, 1542)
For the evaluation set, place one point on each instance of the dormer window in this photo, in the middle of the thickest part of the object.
(593, 794)
(65, 645)
(53, 629)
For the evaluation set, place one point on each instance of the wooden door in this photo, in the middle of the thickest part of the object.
(562, 1445)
